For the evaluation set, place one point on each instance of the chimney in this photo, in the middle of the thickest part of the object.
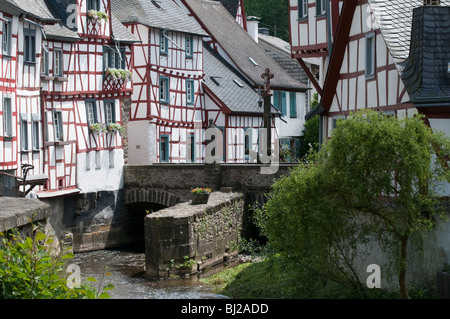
(253, 27)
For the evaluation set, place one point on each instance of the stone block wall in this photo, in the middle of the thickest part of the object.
(185, 239)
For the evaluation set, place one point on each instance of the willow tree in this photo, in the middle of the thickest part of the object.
(377, 178)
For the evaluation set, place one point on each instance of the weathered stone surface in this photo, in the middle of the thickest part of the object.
(18, 212)
(197, 236)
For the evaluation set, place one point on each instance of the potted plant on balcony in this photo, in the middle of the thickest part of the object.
(200, 195)
(116, 128)
(98, 128)
(119, 74)
(97, 16)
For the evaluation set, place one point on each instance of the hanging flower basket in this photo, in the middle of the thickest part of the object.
(97, 16)
(200, 195)
(98, 128)
(116, 128)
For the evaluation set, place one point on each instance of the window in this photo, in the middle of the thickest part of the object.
(93, 5)
(190, 91)
(6, 40)
(302, 9)
(8, 184)
(35, 131)
(58, 125)
(91, 112)
(189, 46)
(113, 58)
(109, 112)
(29, 51)
(279, 101)
(164, 148)
(293, 104)
(190, 148)
(247, 143)
(321, 7)
(58, 63)
(7, 117)
(370, 54)
(44, 61)
(163, 42)
(24, 133)
(164, 90)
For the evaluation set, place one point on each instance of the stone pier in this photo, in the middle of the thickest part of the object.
(185, 239)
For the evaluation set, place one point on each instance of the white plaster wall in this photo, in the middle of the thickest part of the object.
(103, 171)
(142, 146)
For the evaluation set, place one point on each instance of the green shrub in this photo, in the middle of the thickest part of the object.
(28, 271)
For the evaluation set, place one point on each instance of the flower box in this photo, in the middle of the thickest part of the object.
(200, 195)
(118, 74)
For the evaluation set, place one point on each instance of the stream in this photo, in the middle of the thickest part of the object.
(127, 273)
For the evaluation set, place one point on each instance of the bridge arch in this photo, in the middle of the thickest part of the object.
(151, 195)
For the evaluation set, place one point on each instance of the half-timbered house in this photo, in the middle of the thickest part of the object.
(167, 72)
(65, 66)
(227, 37)
(362, 53)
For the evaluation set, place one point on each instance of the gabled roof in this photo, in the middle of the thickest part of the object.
(394, 18)
(233, 90)
(161, 14)
(239, 45)
(34, 8)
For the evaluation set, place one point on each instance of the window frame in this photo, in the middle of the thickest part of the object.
(164, 82)
(58, 62)
(24, 141)
(94, 112)
(321, 8)
(302, 9)
(58, 125)
(29, 46)
(293, 114)
(90, 7)
(45, 61)
(7, 39)
(8, 118)
(190, 148)
(189, 48)
(110, 104)
(190, 92)
(163, 42)
(370, 63)
(166, 158)
(35, 136)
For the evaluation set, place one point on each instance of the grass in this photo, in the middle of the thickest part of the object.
(278, 278)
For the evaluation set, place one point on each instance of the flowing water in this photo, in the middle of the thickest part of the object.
(127, 274)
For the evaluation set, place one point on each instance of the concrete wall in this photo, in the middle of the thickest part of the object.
(204, 234)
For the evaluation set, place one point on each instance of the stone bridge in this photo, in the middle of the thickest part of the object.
(169, 184)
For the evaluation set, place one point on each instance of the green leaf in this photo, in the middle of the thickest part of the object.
(91, 279)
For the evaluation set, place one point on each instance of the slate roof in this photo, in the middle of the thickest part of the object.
(220, 78)
(425, 71)
(240, 46)
(394, 17)
(161, 14)
(35, 8)
(280, 51)
(231, 6)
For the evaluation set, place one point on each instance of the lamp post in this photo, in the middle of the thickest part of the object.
(266, 94)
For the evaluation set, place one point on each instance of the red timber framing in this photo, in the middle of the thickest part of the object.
(171, 112)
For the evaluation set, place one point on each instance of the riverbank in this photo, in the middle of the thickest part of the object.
(278, 278)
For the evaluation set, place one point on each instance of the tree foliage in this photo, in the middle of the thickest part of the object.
(375, 180)
(274, 16)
